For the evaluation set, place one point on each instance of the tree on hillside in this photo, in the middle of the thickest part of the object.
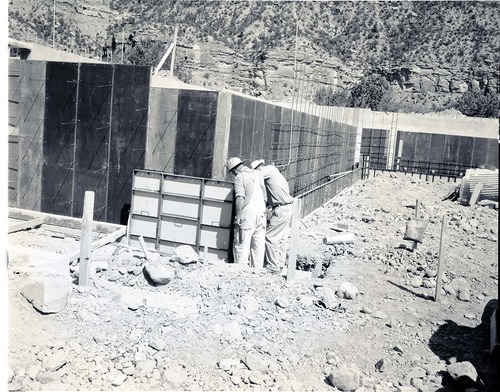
(371, 92)
(479, 104)
(330, 97)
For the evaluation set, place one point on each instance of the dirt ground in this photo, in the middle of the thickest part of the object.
(218, 326)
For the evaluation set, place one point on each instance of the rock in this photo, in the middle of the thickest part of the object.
(99, 266)
(135, 304)
(306, 301)
(416, 281)
(460, 284)
(47, 377)
(121, 270)
(378, 314)
(159, 274)
(249, 304)
(366, 310)
(114, 275)
(345, 377)
(328, 298)
(469, 316)
(227, 363)
(282, 302)
(417, 372)
(449, 290)
(158, 344)
(233, 330)
(33, 372)
(427, 283)
(56, 361)
(136, 334)
(381, 365)
(175, 376)
(256, 377)
(430, 273)
(462, 369)
(48, 293)
(385, 209)
(185, 254)
(254, 363)
(116, 379)
(347, 290)
(10, 375)
(464, 295)
(146, 367)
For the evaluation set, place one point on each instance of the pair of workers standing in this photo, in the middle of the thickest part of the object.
(259, 229)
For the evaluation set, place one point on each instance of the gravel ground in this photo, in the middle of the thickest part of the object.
(369, 323)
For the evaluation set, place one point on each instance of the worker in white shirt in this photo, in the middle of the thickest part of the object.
(280, 202)
(250, 215)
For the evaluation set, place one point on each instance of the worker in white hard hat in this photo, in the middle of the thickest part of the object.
(280, 202)
(250, 215)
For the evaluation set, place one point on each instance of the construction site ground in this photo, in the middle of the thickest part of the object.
(219, 326)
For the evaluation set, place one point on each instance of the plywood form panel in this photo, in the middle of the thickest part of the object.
(236, 126)
(408, 153)
(59, 137)
(31, 129)
(128, 136)
(465, 150)
(92, 136)
(479, 151)
(451, 149)
(162, 129)
(14, 94)
(492, 153)
(13, 169)
(258, 131)
(197, 111)
(268, 133)
(437, 148)
(422, 148)
(248, 129)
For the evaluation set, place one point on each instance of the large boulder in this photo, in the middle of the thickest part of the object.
(48, 293)
(159, 274)
(185, 254)
(345, 377)
(347, 290)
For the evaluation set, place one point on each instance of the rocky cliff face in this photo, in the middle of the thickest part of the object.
(272, 74)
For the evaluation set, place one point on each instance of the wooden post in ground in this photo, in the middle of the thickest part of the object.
(417, 215)
(476, 193)
(86, 238)
(294, 239)
(144, 248)
(441, 259)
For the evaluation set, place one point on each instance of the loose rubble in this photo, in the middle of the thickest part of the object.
(369, 322)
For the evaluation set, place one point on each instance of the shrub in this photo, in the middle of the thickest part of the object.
(479, 104)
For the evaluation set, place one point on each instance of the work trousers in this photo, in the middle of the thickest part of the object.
(251, 246)
(277, 229)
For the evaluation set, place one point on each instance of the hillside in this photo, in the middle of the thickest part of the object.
(449, 47)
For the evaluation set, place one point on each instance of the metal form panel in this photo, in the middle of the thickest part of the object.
(190, 211)
(13, 167)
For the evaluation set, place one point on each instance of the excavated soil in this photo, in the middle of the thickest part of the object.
(218, 326)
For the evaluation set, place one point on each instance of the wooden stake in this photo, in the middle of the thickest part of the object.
(294, 239)
(441, 258)
(417, 216)
(144, 249)
(475, 195)
(26, 225)
(86, 238)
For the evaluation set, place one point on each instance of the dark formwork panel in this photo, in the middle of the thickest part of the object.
(14, 94)
(451, 149)
(258, 131)
(465, 146)
(423, 146)
(479, 151)
(492, 153)
(236, 126)
(195, 133)
(162, 129)
(268, 133)
(437, 148)
(92, 135)
(59, 137)
(128, 136)
(409, 147)
(248, 129)
(31, 129)
(13, 167)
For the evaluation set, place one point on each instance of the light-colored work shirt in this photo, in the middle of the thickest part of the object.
(245, 184)
(277, 188)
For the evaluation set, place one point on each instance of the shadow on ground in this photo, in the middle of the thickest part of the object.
(468, 344)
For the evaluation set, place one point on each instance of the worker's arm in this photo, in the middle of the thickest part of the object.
(239, 207)
(239, 195)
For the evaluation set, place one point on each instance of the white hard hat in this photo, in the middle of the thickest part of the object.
(257, 163)
(233, 162)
